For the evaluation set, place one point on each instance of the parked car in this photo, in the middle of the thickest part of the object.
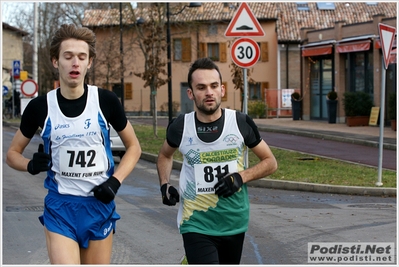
(117, 146)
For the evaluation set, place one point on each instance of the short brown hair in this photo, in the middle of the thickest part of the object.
(71, 31)
(204, 64)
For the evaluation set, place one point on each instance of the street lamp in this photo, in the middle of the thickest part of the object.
(168, 14)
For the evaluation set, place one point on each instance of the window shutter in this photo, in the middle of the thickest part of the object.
(223, 52)
(186, 50)
(264, 87)
(264, 51)
(202, 50)
(224, 98)
(128, 91)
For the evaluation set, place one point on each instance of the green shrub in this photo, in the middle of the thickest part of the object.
(357, 103)
(257, 109)
(332, 95)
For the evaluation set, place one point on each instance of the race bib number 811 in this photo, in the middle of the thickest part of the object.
(206, 175)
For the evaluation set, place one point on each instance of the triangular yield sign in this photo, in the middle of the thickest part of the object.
(387, 35)
(244, 23)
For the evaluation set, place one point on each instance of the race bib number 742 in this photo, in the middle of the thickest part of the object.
(81, 162)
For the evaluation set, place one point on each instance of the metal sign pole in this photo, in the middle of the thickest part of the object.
(245, 108)
(382, 111)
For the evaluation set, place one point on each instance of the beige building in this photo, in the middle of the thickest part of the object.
(12, 49)
(199, 32)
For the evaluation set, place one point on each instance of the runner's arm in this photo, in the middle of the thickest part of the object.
(265, 167)
(14, 158)
(132, 154)
(165, 163)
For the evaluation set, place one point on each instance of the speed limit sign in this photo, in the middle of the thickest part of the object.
(245, 52)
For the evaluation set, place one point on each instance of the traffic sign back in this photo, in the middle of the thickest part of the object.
(244, 23)
(387, 35)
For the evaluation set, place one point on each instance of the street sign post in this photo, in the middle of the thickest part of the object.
(16, 69)
(244, 23)
(387, 35)
(245, 52)
(29, 88)
(5, 90)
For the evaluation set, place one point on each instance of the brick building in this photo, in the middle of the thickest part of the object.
(198, 32)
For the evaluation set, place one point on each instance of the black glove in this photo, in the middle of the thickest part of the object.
(106, 191)
(41, 161)
(228, 184)
(170, 195)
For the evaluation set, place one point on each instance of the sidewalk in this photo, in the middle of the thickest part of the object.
(364, 135)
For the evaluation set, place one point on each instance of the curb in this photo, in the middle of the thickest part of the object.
(297, 186)
(325, 136)
(301, 186)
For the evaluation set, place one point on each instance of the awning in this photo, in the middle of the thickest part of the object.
(393, 57)
(377, 44)
(317, 51)
(353, 46)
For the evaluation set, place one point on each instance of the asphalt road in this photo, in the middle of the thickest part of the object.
(353, 153)
(282, 222)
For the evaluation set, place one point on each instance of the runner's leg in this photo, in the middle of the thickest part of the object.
(61, 249)
(200, 249)
(98, 252)
(230, 250)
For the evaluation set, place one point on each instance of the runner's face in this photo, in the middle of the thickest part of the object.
(207, 91)
(73, 62)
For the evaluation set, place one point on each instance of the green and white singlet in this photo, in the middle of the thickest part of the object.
(201, 210)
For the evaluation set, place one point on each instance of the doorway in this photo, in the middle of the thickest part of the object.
(187, 104)
(321, 82)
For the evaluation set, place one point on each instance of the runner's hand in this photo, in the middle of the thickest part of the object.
(170, 195)
(228, 184)
(106, 191)
(40, 162)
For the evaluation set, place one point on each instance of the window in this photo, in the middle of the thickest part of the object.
(212, 30)
(128, 91)
(303, 6)
(361, 72)
(326, 6)
(182, 49)
(264, 52)
(254, 91)
(213, 51)
(177, 54)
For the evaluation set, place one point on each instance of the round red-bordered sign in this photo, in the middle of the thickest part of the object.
(29, 88)
(245, 52)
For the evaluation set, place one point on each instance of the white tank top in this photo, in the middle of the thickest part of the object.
(200, 207)
(80, 147)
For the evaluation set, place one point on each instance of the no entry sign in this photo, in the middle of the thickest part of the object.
(29, 88)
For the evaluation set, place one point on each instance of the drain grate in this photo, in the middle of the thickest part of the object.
(24, 208)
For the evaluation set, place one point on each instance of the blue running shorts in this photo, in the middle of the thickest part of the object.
(79, 218)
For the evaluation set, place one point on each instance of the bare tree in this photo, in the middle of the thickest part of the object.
(152, 42)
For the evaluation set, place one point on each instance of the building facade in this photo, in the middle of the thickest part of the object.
(12, 49)
(345, 58)
(199, 32)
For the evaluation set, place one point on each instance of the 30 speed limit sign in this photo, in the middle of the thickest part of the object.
(245, 52)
